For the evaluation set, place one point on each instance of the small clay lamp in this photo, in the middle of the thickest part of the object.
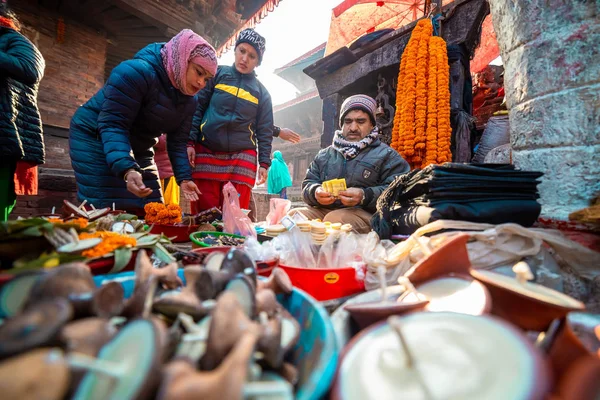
(270, 341)
(167, 276)
(15, 293)
(290, 331)
(75, 283)
(376, 305)
(228, 324)
(126, 368)
(528, 305)
(279, 282)
(236, 261)
(441, 356)
(65, 281)
(36, 327)
(182, 382)
(267, 302)
(37, 374)
(290, 373)
(243, 289)
(88, 335)
(189, 299)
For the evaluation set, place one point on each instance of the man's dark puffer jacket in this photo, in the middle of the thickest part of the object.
(21, 70)
(234, 113)
(117, 128)
(372, 170)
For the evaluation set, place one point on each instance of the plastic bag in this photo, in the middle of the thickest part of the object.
(295, 248)
(340, 250)
(278, 208)
(234, 219)
(260, 251)
(172, 192)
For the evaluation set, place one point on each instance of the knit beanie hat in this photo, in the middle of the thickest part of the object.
(358, 102)
(253, 39)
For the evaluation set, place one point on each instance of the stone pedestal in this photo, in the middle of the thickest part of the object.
(552, 82)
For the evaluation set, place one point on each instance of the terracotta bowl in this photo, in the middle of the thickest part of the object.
(575, 340)
(581, 381)
(456, 293)
(529, 306)
(451, 257)
(367, 308)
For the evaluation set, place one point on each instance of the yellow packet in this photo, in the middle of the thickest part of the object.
(335, 186)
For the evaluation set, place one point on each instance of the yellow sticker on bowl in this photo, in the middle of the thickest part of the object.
(331, 277)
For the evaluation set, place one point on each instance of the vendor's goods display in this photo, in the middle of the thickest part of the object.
(483, 326)
(421, 131)
(487, 193)
(210, 331)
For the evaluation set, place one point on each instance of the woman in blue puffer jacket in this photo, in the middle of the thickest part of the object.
(21, 140)
(112, 135)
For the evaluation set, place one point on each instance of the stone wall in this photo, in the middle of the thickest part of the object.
(552, 80)
(74, 68)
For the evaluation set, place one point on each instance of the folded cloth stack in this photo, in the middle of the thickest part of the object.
(487, 193)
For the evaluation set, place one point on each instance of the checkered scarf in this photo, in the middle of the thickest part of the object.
(351, 149)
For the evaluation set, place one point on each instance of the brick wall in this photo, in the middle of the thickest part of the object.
(74, 73)
(74, 68)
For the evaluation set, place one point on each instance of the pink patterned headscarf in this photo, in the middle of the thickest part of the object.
(186, 47)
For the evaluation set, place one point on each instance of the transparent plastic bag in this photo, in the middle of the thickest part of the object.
(234, 219)
(296, 249)
(278, 208)
(260, 251)
(340, 250)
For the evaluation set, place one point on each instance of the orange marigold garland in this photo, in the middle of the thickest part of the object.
(421, 94)
(158, 213)
(421, 132)
(443, 108)
(431, 132)
(110, 242)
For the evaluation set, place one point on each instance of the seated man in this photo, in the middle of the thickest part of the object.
(356, 154)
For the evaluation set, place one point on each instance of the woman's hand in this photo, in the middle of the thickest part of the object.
(190, 190)
(324, 197)
(262, 176)
(191, 152)
(135, 184)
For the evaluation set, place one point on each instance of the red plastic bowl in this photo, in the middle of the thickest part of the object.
(178, 234)
(325, 283)
(263, 268)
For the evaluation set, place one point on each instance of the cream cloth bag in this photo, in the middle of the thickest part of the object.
(490, 247)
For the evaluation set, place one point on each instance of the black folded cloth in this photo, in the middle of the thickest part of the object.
(488, 193)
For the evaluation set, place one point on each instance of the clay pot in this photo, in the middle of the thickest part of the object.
(451, 257)
(568, 347)
(442, 356)
(581, 380)
(189, 299)
(528, 305)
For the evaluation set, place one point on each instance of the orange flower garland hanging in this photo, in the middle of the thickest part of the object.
(421, 132)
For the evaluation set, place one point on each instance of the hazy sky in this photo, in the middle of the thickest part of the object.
(292, 29)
